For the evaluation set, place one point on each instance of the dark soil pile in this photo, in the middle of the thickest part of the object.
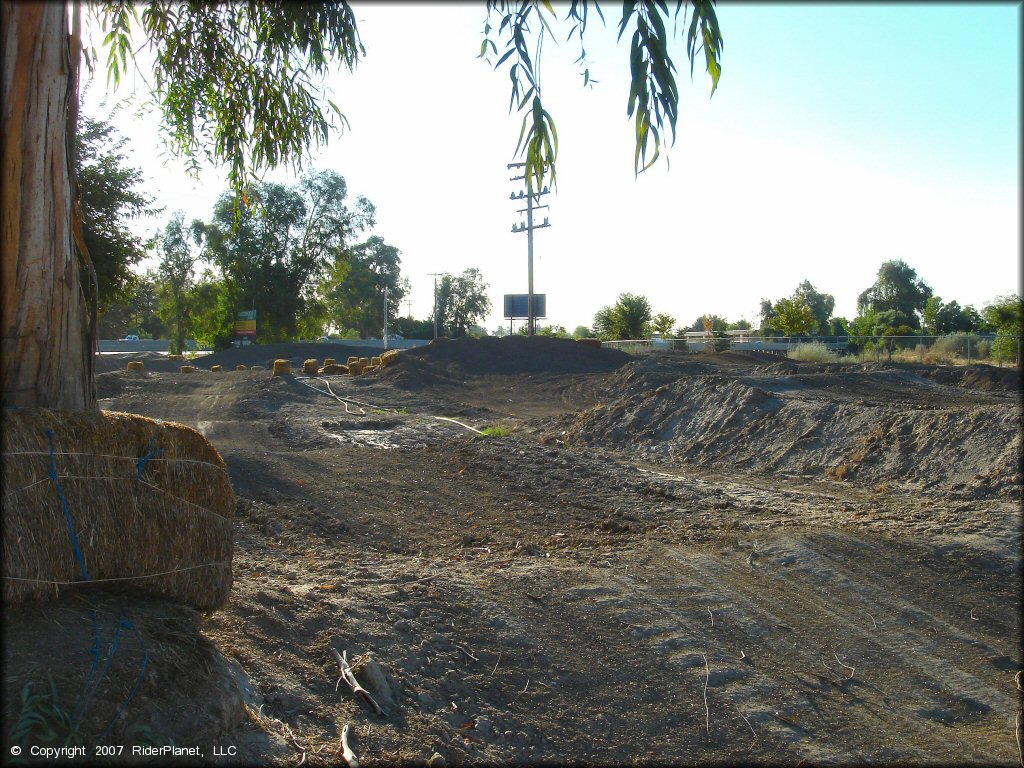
(451, 361)
(892, 427)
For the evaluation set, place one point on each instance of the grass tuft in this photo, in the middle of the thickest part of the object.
(812, 353)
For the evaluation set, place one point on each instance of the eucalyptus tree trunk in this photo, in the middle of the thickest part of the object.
(47, 323)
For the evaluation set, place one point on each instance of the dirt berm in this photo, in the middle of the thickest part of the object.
(869, 426)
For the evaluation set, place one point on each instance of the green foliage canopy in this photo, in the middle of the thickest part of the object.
(354, 291)
(177, 261)
(653, 100)
(896, 289)
(793, 316)
(237, 83)
(241, 84)
(111, 195)
(462, 301)
(628, 318)
(662, 324)
(274, 254)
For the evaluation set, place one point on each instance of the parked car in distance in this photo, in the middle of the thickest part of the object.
(324, 338)
(130, 337)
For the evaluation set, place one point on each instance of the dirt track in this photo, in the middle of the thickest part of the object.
(662, 563)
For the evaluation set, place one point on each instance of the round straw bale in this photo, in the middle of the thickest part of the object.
(375, 361)
(355, 368)
(329, 361)
(150, 505)
(136, 366)
(596, 343)
(187, 369)
(311, 367)
(216, 368)
(389, 358)
(176, 358)
(365, 361)
(352, 360)
(334, 369)
(282, 367)
(241, 367)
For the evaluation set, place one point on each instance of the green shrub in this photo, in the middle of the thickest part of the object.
(812, 353)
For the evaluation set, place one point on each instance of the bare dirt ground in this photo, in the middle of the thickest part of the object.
(675, 559)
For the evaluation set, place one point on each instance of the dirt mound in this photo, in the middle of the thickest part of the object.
(873, 427)
(266, 354)
(987, 378)
(452, 361)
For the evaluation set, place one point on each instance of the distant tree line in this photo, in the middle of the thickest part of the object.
(898, 303)
(294, 253)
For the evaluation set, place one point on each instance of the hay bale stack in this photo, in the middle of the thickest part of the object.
(311, 367)
(187, 369)
(334, 369)
(596, 343)
(216, 369)
(355, 368)
(352, 360)
(170, 515)
(136, 366)
(389, 358)
(241, 367)
(282, 367)
(329, 361)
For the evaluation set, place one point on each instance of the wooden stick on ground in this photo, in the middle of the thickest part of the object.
(350, 679)
(346, 750)
(707, 711)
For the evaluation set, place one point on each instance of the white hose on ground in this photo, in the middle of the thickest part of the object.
(346, 400)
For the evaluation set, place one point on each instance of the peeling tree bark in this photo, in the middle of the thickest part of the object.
(47, 346)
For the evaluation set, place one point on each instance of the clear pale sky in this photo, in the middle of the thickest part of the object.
(841, 135)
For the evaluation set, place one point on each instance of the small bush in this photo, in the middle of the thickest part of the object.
(954, 346)
(812, 353)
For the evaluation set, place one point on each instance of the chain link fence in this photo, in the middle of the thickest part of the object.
(953, 349)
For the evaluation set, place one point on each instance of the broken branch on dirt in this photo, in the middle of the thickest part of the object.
(1020, 720)
(712, 616)
(295, 742)
(349, 677)
(346, 749)
(707, 711)
(847, 666)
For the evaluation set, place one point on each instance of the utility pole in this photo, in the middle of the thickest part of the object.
(435, 276)
(408, 307)
(531, 320)
(385, 317)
